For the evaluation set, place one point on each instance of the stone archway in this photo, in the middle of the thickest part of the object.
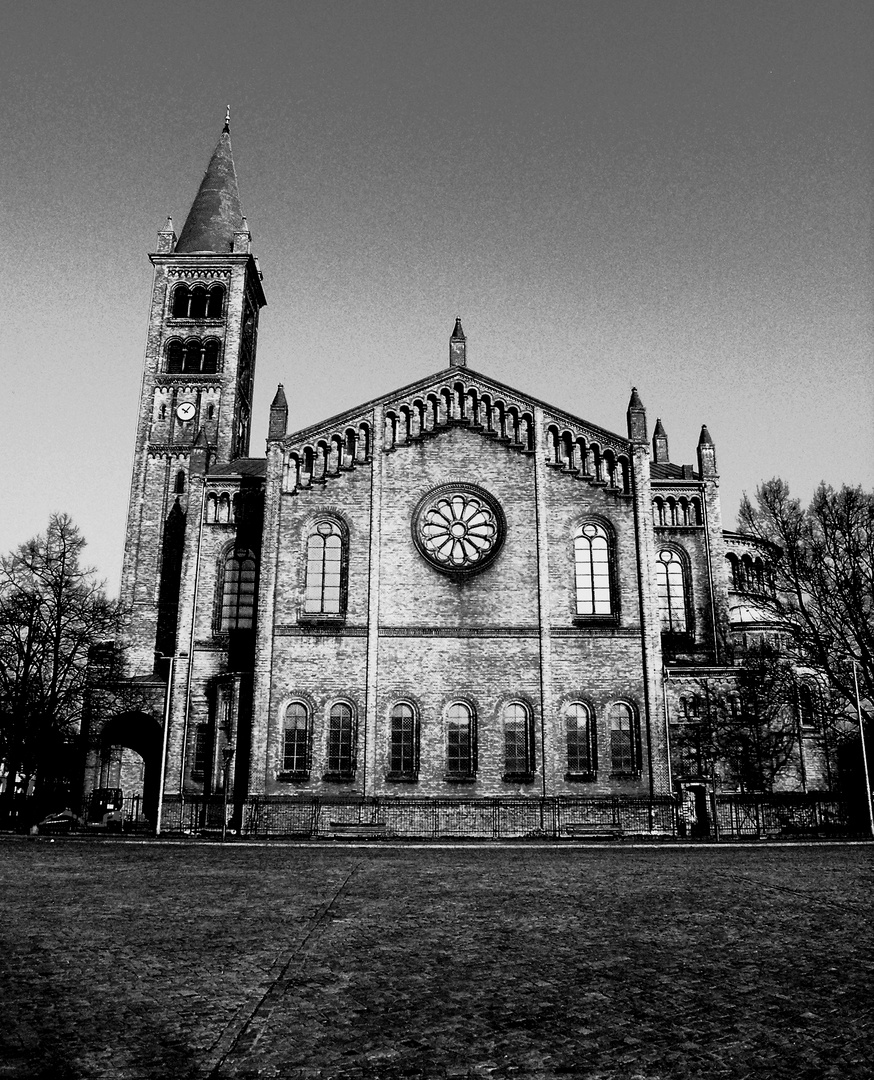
(130, 758)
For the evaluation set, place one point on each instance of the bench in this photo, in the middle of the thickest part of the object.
(357, 829)
(594, 830)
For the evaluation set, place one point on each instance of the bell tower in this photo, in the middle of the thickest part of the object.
(197, 386)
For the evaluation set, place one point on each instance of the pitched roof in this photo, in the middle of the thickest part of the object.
(244, 466)
(216, 212)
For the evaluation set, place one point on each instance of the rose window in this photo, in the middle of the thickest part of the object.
(458, 528)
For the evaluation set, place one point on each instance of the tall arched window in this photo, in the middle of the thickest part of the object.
(215, 302)
(197, 307)
(324, 573)
(580, 741)
(175, 354)
(238, 592)
(672, 592)
(460, 748)
(807, 705)
(179, 308)
(341, 741)
(404, 742)
(193, 354)
(592, 570)
(624, 741)
(296, 739)
(210, 357)
(518, 742)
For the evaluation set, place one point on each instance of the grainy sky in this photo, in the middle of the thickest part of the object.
(676, 195)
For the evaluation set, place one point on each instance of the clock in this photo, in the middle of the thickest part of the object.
(186, 410)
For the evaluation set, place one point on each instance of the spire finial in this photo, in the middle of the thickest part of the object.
(226, 130)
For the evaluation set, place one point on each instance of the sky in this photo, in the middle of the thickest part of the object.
(671, 195)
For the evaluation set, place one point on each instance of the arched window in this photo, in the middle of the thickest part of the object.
(216, 302)
(460, 748)
(197, 307)
(580, 741)
(807, 705)
(179, 486)
(341, 741)
(324, 573)
(404, 742)
(672, 591)
(175, 353)
(210, 357)
(296, 740)
(592, 570)
(193, 354)
(518, 742)
(179, 309)
(238, 592)
(624, 741)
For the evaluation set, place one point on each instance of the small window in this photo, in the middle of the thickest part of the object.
(324, 571)
(404, 745)
(201, 749)
(592, 570)
(179, 486)
(215, 302)
(624, 751)
(580, 741)
(296, 740)
(238, 592)
(341, 761)
(672, 592)
(518, 742)
(460, 756)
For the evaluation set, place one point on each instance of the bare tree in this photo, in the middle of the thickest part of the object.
(824, 580)
(52, 611)
(746, 729)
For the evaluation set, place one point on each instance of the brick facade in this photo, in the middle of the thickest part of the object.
(403, 629)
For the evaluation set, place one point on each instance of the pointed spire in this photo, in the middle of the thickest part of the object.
(226, 130)
(458, 346)
(215, 214)
(278, 415)
(636, 418)
(660, 453)
(706, 455)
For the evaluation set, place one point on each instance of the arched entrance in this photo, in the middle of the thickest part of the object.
(130, 759)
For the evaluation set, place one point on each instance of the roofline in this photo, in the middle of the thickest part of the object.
(457, 374)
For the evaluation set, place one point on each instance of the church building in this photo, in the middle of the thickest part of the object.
(454, 591)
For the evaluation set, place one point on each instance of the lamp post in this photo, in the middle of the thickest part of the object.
(227, 754)
(864, 751)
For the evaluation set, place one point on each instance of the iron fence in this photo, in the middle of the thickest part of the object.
(787, 814)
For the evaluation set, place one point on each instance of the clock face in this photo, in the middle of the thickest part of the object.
(186, 410)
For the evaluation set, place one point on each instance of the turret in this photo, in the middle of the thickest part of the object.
(636, 418)
(660, 453)
(278, 415)
(458, 347)
(706, 455)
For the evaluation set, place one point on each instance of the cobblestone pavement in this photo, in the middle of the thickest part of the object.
(374, 963)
